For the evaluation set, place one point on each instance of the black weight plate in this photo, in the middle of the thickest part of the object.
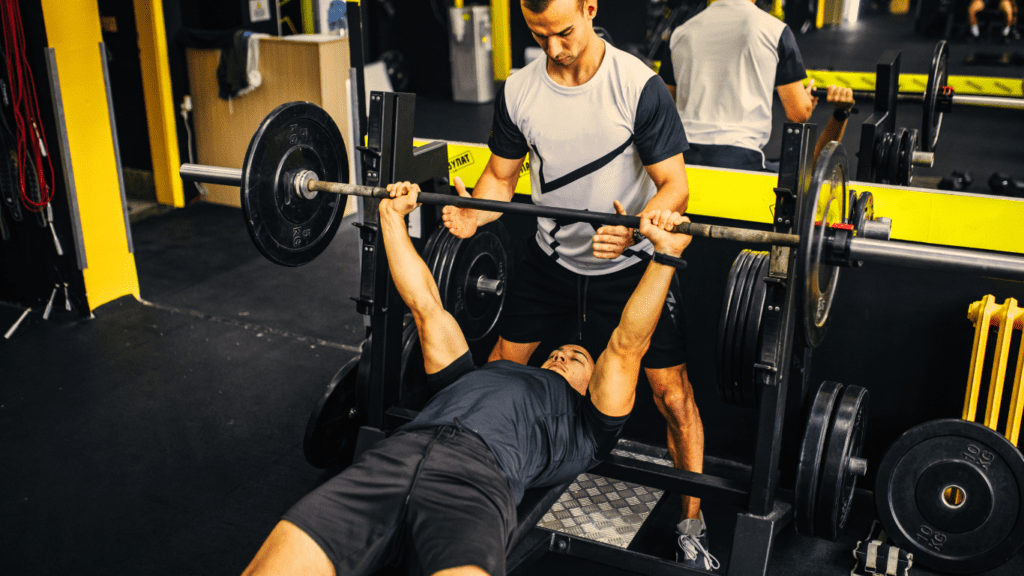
(430, 255)
(414, 391)
(486, 253)
(332, 427)
(752, 333)
(863, 210)
(909, 145)
(731, 325)
(820, 207)
(724, 392)
(845, 441)
(938, 77)
(882, 145)
(975, 533)
(286, 228)
(739, 327)
(811, 457)
(447, 251)
(892, 164)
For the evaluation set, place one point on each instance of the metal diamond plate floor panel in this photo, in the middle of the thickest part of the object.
(602, 509)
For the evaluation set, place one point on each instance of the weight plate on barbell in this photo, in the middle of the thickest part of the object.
(863, 210)
(838, 479)
(812, 452)
(287, 228)
(731, 287)
(952, 493)
(821, 207)
(739, 326)
(892, 164)
(333, 424)
(938, 77)
(487, 255)
(752, 333)
(910, 144)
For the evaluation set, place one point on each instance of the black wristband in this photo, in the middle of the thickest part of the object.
(669, 260)
(840, 115)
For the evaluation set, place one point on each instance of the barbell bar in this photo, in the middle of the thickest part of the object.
(918, 97)
(929, 257)
(233, 177)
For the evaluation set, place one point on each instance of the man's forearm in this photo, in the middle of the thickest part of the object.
(410, 274)
(642, 310)
(673, 196)
(491, 187)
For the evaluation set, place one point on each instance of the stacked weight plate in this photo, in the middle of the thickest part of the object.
(739, 329)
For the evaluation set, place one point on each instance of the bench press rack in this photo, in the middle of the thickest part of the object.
(390, 157)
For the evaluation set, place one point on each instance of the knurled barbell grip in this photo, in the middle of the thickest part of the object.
(691, 228)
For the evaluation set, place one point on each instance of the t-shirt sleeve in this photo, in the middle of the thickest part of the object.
(506, 140)
(657, 131)
(791, 64)
(449, 374)
(604, 429)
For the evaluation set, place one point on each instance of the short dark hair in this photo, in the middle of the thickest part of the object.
(538, 6)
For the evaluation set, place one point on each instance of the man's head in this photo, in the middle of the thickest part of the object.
(574, 363)
(563, 28)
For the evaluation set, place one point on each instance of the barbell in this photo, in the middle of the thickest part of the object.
(937, 99)
(296, 165)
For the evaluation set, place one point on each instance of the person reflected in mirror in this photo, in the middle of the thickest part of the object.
(1007, 7)
(722, 67)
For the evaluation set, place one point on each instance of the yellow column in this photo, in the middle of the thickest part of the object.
(73, 31)
(156, 86)
(501, 39)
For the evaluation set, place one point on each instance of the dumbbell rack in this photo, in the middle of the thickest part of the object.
(390, 157)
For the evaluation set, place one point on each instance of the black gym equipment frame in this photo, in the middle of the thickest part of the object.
(781, 369)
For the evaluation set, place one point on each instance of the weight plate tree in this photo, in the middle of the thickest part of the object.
(952, 493)
(295, 140)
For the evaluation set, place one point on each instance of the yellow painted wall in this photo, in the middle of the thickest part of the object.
(73, 31)
(918, 215)
(160, 107)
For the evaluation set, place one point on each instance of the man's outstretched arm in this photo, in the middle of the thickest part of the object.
(440, 336)
(613, 385)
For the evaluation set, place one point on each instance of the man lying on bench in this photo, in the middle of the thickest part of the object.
(441, 492)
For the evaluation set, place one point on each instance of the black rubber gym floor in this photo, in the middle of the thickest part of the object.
(164, 436)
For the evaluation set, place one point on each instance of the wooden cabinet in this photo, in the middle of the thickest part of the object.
(313, 68)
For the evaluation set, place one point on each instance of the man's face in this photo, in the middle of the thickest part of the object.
(563, 30)
(573, 363)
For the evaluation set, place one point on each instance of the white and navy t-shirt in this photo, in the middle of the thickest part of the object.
(588, 146)
(726, 61)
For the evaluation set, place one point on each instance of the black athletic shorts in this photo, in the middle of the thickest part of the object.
(733, 157)
(546, 301)
(434, 498)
